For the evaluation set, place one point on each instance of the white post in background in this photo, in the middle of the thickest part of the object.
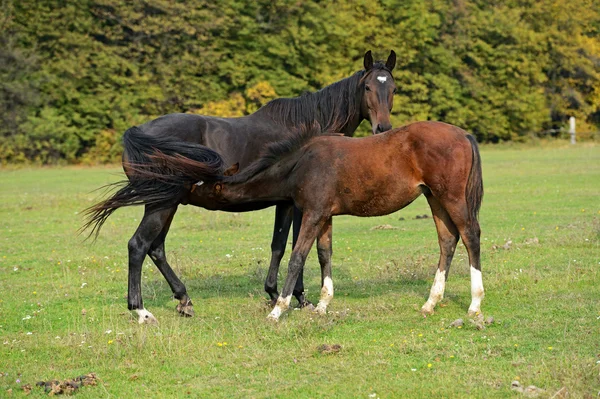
(572, 129)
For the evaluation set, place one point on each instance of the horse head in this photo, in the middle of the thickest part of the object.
(378, 89)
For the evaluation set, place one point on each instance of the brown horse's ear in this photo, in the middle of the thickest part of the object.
(391, 61)
(368, 62)
(232, 170)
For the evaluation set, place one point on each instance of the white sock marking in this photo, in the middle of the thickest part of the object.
(382, 79)
(437, 291)
(477, 292)
(326, 295)
(145, 317)
(280, 307)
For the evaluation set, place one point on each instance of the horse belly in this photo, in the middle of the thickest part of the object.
(378, 200)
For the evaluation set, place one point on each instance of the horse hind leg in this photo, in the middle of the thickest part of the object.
(158, 256)
(447, 239)
(138, 246)
(281, 230)
(470, 232)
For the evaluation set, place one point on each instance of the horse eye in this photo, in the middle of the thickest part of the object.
(367, 88)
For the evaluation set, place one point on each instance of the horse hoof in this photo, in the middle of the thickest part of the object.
(185, 310)
(145, 317)
(476, 318)
(306, 305)
(271, 318)
(426, 311)
(321, 310)
(309, 306)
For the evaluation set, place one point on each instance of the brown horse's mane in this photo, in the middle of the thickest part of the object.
(277, 150)
(332, 106)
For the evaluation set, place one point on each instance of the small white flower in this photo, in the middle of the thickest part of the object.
(29, 333)
(372, 395)
(107, 331)
(413, 369)
(27, 317)
(15, 269)
(228, 255)
(83, 285)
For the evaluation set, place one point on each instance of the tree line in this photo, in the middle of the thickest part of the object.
(75, 74)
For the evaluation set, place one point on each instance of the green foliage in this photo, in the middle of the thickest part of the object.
(71, 71)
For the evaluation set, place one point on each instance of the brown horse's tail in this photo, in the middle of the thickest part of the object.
(152, 180)
(474, 191)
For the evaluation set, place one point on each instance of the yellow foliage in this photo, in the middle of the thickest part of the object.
(237, 105)
(234, 106)
(258, 95)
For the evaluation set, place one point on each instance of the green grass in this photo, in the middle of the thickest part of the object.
(63, 308)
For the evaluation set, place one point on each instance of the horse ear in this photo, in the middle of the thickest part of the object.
(232, 170)
(368, 62)
(391, 61)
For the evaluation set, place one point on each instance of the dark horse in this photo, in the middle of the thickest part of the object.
(340, 107)
(333, 175)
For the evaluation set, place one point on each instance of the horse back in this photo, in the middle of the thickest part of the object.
(237, 140)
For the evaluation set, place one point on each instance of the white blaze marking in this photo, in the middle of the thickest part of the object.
(280, 307)
(145, 317)
(382, 79)
(326, 295)
(477, 292)
(437, 291)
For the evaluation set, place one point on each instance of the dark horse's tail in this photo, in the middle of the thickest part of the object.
(151, 181)
(474, 191)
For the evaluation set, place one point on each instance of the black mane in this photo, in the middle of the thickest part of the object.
(331, 106)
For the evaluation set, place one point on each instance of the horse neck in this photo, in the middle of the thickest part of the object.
(335, 107)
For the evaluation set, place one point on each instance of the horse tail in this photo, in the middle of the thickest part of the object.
(474, 190)
(152, 179)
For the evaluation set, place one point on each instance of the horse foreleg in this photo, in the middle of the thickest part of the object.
(324, 250)
(447, 239)
(281, 230)
(159, 257)
(149, 229)
(308, 232)
(299, 287)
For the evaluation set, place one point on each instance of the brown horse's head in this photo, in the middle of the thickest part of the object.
(378, 92)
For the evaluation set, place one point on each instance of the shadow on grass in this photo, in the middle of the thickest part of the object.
(249, 284)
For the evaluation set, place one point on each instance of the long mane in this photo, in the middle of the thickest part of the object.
(275, 151)
(332, 106)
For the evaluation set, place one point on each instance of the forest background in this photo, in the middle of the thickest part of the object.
(75, 74)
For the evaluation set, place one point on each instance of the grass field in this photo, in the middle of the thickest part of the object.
(63, 308)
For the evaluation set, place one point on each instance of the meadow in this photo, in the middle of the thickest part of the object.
(63, 309)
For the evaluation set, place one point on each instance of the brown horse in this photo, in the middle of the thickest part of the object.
(335, 175)
(339, 107)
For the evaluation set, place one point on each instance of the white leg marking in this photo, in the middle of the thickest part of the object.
(281, 306)
(437, 292)
(477, 292)
(326, 295)
(145, 317)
